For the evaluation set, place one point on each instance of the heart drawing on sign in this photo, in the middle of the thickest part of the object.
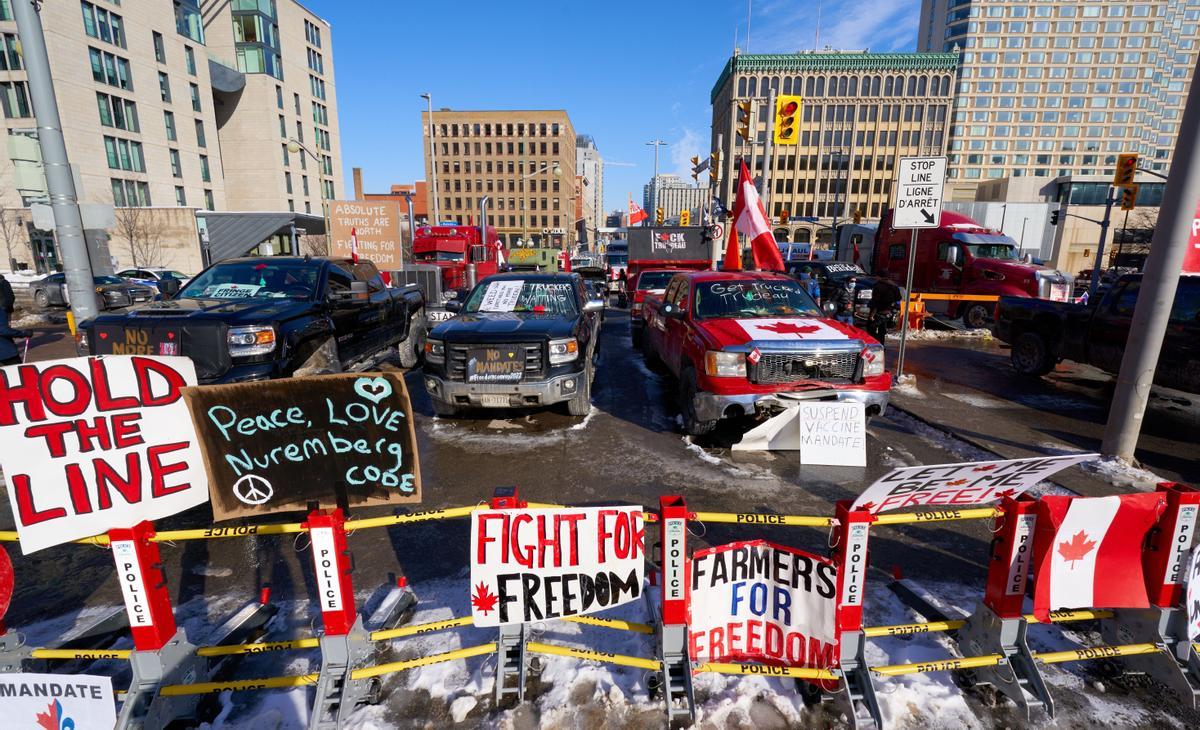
(373, 389)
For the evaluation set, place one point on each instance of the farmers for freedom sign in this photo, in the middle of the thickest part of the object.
(538, 564)
(92, 443)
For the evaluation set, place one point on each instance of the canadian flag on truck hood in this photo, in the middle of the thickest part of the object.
(790, 328)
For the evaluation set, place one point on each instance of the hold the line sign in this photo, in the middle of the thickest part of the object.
(919, 192)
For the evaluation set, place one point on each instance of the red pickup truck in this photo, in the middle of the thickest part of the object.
(736, 341)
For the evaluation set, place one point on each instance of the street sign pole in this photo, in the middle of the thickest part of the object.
(918, 205)
(908, 282)
(765, 193)
(1099, 266)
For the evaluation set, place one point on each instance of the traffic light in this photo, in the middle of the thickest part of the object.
(696, 168)
(1054, 214)
(1126, 169)
(685, 217)
(784, 217)
(1129, 195)
(658, 216)
(787, 114)
(744, 120)
(715, 161)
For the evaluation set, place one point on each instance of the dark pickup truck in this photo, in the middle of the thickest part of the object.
(1043, 332)
(519, 340)
(270, 317)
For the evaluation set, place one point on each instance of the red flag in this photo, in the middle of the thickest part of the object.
(1088, 551)
(354, 245)
(750, 219)
(636, 214)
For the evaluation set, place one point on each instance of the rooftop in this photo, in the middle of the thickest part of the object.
(824, 61)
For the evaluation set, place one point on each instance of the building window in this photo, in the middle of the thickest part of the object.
(14, 98)
(195, 97)
(188, 22)
(117, 112)
(169, 123)
(100, 23)
(160, 51)
(180, 196)
(317, 87)
(5, 10)
(320, 113)
(282, 126)
(287, 182)
(315, 62)
(110, 69)
(200, 141)
(10, 59)
(130, 193)
(124, 154)
(189, 58)
(287, 159)
(296, 102)
(208, 200)
(279, 96)
(205, 175)
(256, 35)
(176, 168)
(164, 87)
(312, 33)
(304, 184)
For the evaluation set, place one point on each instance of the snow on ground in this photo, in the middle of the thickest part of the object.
(31, 320)
(20, 279)
(1120, 473)
(909, 389)
(929, 335)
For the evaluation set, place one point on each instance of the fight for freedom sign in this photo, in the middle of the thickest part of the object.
(960, 485)
(539, 564)
(57, 701)
(92, 443)
(760, 602)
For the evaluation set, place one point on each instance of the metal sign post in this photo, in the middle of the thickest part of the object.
(918, 205)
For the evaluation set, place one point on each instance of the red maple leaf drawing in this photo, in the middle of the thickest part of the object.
(483, 600)
(866, 506)
(50, 718)
(1076, 548)
(956, 482)
(989, 467)
(788, 328)
(1006, 493)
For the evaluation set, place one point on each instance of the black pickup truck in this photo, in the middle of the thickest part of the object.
(519, 340)
(1043, 332)
(269, 317)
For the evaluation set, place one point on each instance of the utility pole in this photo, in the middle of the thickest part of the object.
(1173, 236)
(656, 143)
(68, 222)
(765, 193)
(412, 222)
(1099, 265)
(437, 211)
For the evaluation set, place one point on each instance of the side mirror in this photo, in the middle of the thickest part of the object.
(453, 305)
(168, 287)
(672, 311)
(358, 294)
(593, 305)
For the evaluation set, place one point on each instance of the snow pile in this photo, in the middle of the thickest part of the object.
(928, 335)
(21, 279)
(31, 320)
(1121, 473)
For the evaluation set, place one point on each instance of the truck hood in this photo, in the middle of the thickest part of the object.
(784, 333)
(504, 327)
(1018, 270)
(228, 311)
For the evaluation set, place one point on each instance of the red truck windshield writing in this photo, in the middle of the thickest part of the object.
(742, 299)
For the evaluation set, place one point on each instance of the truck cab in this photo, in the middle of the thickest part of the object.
(451, 248)
(962, 257)
(546, 260)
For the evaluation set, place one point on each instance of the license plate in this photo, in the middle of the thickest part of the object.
(439, 315)
(493, 401)
(136, 341)
(495, 365)
(864, 293)
(1059, 292)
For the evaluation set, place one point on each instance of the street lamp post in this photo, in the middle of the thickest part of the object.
(556, 170)
(294, 147)
(437, 211)
(656, 143)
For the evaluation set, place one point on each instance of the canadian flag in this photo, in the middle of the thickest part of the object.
(354, 245)
(750, 219)
(1088, 551)
(636, 214)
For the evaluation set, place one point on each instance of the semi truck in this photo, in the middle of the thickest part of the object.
(442, 255)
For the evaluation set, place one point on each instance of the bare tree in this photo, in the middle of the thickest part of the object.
(12, 233)
(142, 232)
(313, 246)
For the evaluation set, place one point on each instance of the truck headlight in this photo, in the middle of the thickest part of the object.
(725, 364)
(872, 357)
(435, 351)
(563, 350)
(256, 339)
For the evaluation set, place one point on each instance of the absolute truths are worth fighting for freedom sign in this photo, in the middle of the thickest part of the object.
(92, 443)
(537, 564)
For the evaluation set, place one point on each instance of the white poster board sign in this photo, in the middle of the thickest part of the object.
(833, 433)
(760, 602)
(919, 186)
(501, 296)
(57, 701)
(92, 443)
(540, 564)
(960, 485)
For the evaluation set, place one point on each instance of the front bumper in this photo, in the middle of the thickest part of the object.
(247, 373)
(713, 406)
(526, 394)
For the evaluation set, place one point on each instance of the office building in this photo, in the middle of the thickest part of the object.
(674, 196)
(590, 165)
(524, 161)
(861, 111)
(168, 110)
(1060, 89)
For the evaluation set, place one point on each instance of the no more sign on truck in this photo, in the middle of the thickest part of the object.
(919, 192)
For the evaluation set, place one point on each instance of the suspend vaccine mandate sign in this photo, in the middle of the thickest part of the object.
(538, 564)
(92, 443)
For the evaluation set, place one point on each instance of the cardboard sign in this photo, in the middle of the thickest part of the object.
(370, 226)
(92, 443)
(57, 701)
(760, 602)
(960, 485)
(280, 445)
(540, 564)
(501, 296)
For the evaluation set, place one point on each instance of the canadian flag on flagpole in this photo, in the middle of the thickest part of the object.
(636, 214)
(354, 245)
(750, 219)
(1088, 551)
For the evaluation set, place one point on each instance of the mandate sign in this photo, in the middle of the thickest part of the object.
(375, 224)
(278, 446)
(57, 701)
(760, 602)
(92, 443)
(539, 564)
(919, 192)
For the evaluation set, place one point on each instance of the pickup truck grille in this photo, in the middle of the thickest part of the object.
(789, 367)
(456, 358)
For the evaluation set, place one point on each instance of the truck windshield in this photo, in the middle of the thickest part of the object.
(254, 279)
(439, 256)
(654, 279)
(522, 296)
(992, 251)
(752, 298)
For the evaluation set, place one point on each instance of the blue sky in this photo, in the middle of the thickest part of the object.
(626, 72)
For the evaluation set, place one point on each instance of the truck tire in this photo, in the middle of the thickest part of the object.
(977, 315)
(442, 409)
(412, 348)
(323, 360)
(1031, 355)
(687, 405)
(581, 404)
